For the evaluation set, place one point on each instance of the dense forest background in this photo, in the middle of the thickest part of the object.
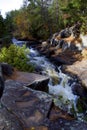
(39, 19)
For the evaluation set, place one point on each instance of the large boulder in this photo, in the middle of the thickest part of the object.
(1, 82)
(34, 110)
(8, 121)
(80, 69)
(67, 36)
(7, 69)
(29, 106)
(34, 81)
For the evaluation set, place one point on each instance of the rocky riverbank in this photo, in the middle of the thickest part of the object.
(25, 97)
(68, 48)
(25, 109)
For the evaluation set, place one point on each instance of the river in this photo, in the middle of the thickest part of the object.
(60, 84)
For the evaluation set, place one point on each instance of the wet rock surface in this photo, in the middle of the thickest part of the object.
(1, 82)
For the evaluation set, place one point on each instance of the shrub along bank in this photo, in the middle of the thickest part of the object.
(16, 56)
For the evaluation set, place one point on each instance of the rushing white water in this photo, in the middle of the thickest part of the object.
(60, 90)
(58, 85)
(62, 93)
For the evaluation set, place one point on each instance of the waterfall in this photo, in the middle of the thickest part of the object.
(59, 84)
(60, 90)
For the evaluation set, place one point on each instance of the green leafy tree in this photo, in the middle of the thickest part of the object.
(76, 10)
(41, 18)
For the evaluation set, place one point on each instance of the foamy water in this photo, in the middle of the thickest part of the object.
(62, 93)
(58, 83)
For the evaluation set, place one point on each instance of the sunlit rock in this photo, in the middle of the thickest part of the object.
(84, 40)
(34, 81)
(80, 69)
(84, 53)
(44, 43)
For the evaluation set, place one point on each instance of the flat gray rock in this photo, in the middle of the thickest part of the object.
(29, 106)
(34, 81)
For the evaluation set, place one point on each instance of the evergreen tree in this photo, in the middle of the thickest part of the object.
(2, 27)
